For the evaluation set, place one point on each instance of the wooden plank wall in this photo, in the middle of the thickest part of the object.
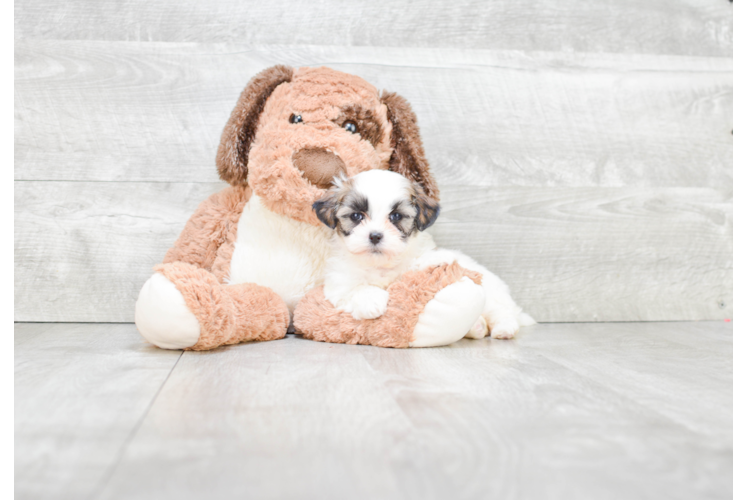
(584, 150)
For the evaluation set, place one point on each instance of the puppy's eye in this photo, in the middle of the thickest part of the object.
(350, 127)
(396, 217)
(295, 118)
(357, 216)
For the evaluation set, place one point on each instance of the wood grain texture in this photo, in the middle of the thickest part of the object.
(564, 411)
(680, 27)
(586, 150)
(109, 111)
(600, 254)
(80, 391)
(740, 376)
(84, 249)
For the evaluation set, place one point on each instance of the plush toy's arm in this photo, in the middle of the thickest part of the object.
(429, 307)
(503, 315)
(211, 226)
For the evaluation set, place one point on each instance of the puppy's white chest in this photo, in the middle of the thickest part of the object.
(280, 253)
(382, 277)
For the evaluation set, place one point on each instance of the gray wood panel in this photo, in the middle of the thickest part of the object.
(599, 137)
(740, 379)
(600, 254)
(80, 392)
(154, 111)
(84, 249)
(681, 27)
(564, 411)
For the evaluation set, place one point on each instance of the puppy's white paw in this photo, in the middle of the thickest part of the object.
(479, 329)
(368, 303)
(504, 328)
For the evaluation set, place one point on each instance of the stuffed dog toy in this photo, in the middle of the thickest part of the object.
(250, 253)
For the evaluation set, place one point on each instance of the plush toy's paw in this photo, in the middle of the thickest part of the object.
(368, 303)
(449, 315)
(479, 329)
(162, 316)
(504, 328)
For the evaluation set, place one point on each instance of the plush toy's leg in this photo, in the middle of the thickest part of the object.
(426, 308)
(162, 316)
(449, 315)
(185, 307)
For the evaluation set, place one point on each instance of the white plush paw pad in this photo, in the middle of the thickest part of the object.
(449, 315)
(505, 328)
(369, 302)
(162, 316)
(479, 329)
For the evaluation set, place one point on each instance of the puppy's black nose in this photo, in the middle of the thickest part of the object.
(375, 237)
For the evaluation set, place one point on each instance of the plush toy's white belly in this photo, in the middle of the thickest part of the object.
(278, 252)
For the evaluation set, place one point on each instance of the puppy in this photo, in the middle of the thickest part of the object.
(380, 218)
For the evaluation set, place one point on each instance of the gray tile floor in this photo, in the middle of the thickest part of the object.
(598, 411)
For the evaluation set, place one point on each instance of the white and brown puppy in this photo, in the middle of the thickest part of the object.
(379, 218)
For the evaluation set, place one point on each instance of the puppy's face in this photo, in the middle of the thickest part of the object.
(376, 213)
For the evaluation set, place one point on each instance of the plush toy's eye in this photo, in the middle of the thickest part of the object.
(396, 217)
(357, 216)
(295, 118)
(350, 127)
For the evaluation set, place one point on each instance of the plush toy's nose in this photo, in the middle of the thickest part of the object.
(318, 165)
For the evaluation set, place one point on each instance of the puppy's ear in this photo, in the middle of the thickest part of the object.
(408, 158)
(239, 131)
(427, 208)
(327, 207)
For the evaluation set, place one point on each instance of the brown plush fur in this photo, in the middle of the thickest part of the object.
(256, 156)
(319, 96)
(387, 137)
(367, 123)
(318, 165)
(228, 314)
(239, 132)
(207, 240)
(315, 318)
(408, 158)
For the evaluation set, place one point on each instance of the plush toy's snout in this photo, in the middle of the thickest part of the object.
(319, 166)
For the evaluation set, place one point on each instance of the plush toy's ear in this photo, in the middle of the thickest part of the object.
(407, 157)
(239, 131)
(428, 208)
